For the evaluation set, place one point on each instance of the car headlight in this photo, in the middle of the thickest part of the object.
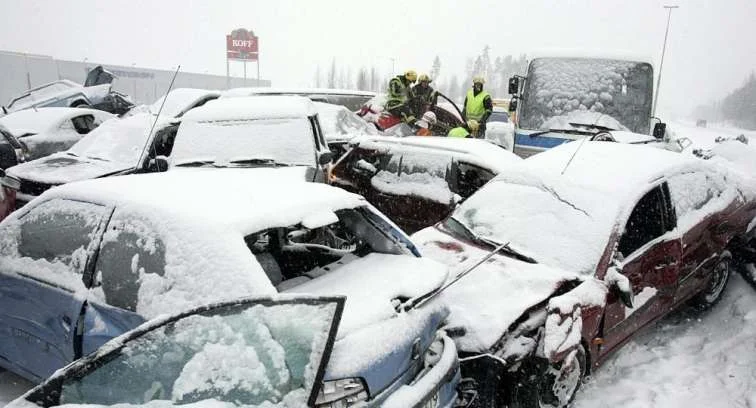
(433, 354)
(341, 393)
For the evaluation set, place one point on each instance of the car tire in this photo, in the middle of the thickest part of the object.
(712, 293)
(551, 385)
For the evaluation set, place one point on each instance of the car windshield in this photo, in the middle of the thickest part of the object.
(116, 140)
(572, 232)
(285, 141)
(562, 91)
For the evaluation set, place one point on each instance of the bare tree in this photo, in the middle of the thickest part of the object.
(362, 79)
(332, 75)
(436, 68)
(318, 83)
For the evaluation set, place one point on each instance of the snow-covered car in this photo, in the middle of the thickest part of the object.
(45, 131)
(8, 187)
(105, 255)
(565, 98)
(268, 352)
(586, 248)
(11, 150)
(340, 125)
(96, 93)
(499, 129)
(254, 131)
(350, 99)
(117, 147)
(178, 102)
(447, 113)
(417, 181)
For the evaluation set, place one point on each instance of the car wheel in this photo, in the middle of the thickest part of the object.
(713, 292)
(552, 385)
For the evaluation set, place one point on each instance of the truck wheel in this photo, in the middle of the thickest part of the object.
(551, 385)
(713, 292)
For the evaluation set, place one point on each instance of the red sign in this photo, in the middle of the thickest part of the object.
(241, 44)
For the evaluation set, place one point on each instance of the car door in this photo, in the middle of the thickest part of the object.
(650, 260)
(697, 197)
(469, 178)
(248, 352)
(43, 256)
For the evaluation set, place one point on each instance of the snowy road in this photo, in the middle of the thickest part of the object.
(688, 360)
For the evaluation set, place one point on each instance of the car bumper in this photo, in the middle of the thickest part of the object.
(437, 388)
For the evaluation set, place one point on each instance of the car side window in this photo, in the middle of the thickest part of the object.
(646, 222)
(60, 231)
(130, 248)
(470, 178)
(84, 124)
(694, 190)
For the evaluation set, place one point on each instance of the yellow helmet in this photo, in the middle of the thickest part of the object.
(473, 125)
(424, 78)
(410, 75)
(479, 80)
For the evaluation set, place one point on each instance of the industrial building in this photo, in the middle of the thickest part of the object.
(22, 71)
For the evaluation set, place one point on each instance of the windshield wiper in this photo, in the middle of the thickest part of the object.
(575, 131)
(592, 126)
(264, 161)
(199, 163)
(505, 248)
(96, 158)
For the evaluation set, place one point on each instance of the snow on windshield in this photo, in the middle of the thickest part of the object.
(116, 140)
(570, 230)
(285, 140)
(338, 121)
(558, 86)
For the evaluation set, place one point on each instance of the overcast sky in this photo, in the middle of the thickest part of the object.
(710, 51)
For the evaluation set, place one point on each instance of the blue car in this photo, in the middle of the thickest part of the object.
(88, 261)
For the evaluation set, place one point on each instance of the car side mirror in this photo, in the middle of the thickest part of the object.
(514, 85)
(513, 105)
(325, 158)
(625, 295)
(157, 164)
(660, 129)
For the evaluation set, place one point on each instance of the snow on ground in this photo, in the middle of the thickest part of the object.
(704, 138)
(690, 359)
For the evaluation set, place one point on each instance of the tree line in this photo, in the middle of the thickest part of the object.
(738, 107)
(454, 85)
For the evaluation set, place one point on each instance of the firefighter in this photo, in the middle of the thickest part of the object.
(424, 97)
(399, 92)
(478, 105)
(459, 131)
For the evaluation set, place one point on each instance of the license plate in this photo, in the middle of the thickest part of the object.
(433, 402)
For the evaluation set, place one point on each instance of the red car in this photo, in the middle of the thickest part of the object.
(8, 187)
(563, 259)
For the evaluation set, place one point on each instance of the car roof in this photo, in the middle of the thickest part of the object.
(477, 151)
(239, 201)
(43, 119)
(252, 107)
(616, 168)
(293, 91)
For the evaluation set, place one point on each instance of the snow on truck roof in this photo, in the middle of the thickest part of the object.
(618, 55)
(44, 119)
(252, 107)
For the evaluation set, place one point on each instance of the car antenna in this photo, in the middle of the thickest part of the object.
(418, 302)
(154, 123)
(574, 154)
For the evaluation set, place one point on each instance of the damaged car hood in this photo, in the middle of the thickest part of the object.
(61, 168)
(494, 295)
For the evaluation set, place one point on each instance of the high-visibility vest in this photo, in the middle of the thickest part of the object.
(396, 99)
(474, 107)
(458, 132)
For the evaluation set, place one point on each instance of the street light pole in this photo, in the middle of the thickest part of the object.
(661, 64)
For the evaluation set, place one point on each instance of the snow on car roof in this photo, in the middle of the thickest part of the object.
(253, 107)
(180, 99)
(481, 152)
(251, 199)
(44, 119)
(293, 91)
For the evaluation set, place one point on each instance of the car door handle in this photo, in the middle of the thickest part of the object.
(65, 322)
